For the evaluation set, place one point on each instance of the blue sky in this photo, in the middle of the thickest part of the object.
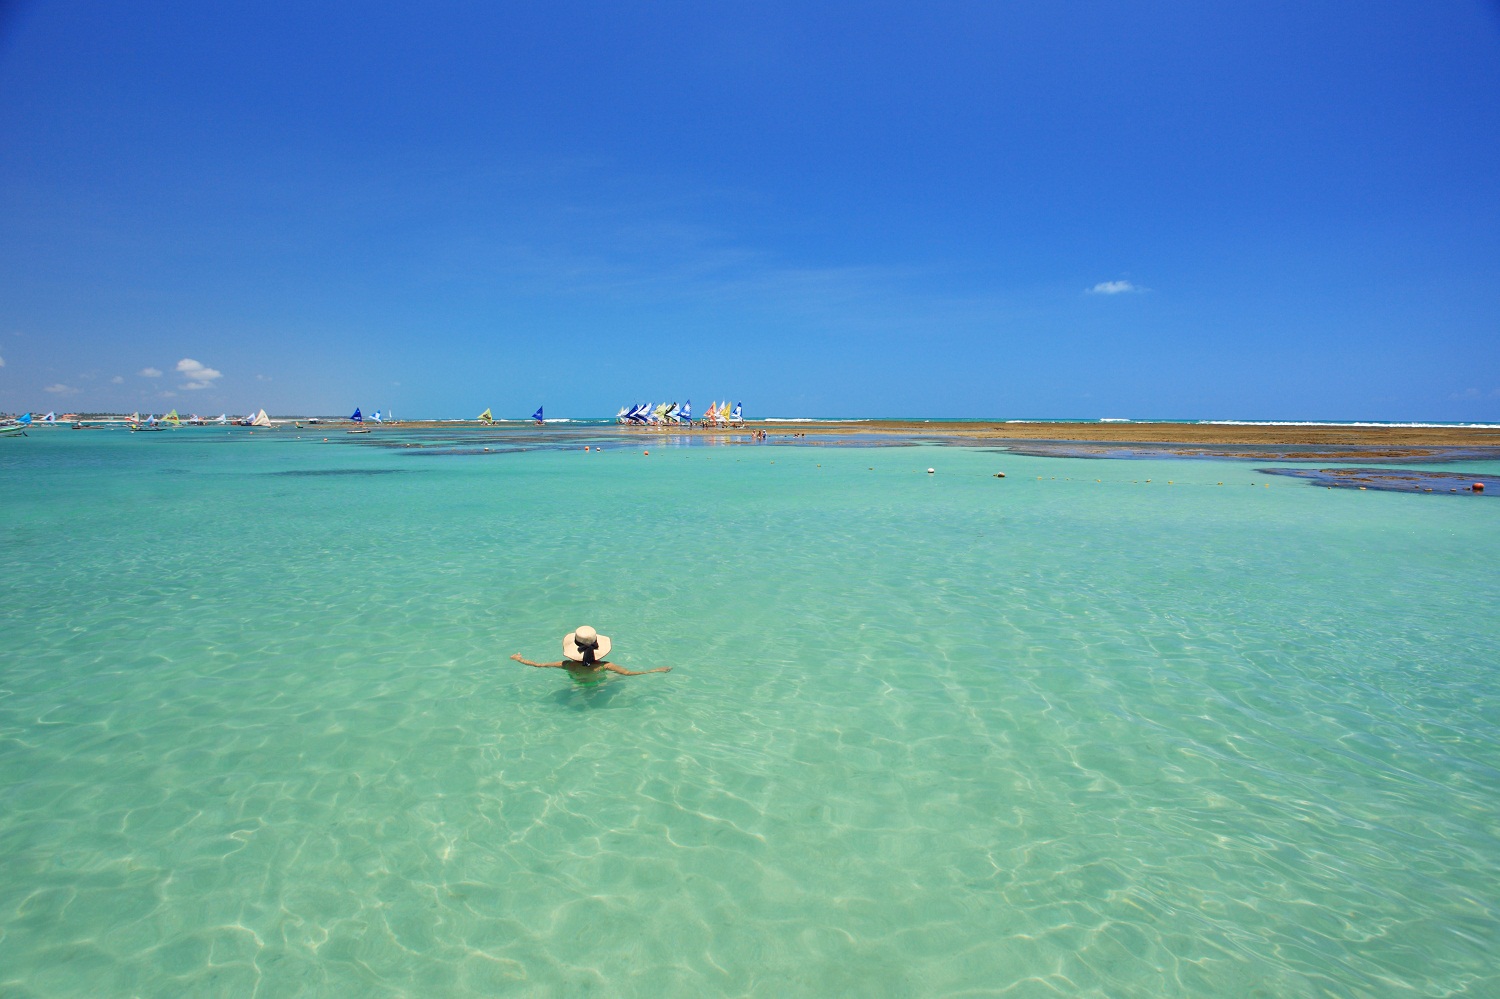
(1092, 209)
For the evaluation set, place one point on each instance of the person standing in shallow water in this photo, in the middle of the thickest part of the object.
(585, 650)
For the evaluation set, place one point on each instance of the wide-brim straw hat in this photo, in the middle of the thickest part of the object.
(585, 639)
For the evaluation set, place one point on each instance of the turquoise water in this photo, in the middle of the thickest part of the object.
(924, 735)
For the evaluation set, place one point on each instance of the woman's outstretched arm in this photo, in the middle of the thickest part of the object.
(520, 659)
(630, 672)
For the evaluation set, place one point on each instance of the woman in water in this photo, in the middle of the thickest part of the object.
(585, 650)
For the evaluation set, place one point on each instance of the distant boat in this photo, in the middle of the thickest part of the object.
(16, 427)
(151, 424)
(485, 416)
(357, 417)
(261, 420)
(537, 416)
(49, 418)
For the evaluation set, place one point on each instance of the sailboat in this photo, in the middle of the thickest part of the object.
(51, 417)
(686, 414)
(223, 419)
(172, 418)
(261, 420)
(376, 417)
(358, 418)
(485, 417)
(151, 424)
(16, 427)
(537, 416)
(738, 416)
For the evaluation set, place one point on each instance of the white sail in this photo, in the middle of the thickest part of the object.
(261, 420)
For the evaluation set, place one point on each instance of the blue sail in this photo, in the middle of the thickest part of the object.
(537, 416)
(687, 411)
(357, 418)
(25, 419)
(737, 409)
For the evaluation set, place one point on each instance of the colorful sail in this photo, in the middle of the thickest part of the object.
(537, 416)
(172, 418)
(51, 417)
(485, 416)
(738, 416)
(357, 417)
(376, 417)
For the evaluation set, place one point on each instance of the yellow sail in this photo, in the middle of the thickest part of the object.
(485, 417)
(172, 418)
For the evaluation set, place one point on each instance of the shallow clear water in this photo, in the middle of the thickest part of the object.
(924, 735)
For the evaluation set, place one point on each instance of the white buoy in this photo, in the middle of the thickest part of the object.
(931, 470)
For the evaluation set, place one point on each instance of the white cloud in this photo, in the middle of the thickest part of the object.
(151, 372)
(198, 376)
(1113, 288)
(1470, 394)
(60, 389)
(116, 380)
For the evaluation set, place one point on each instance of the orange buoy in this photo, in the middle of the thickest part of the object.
(1478, 487)
(645, 452)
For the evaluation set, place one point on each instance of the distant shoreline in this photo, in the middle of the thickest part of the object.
(989, 431)
(1290, 441)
